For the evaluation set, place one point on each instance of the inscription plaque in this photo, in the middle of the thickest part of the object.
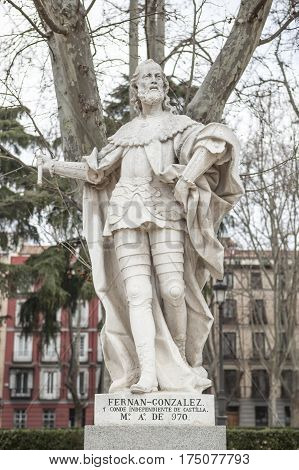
(159, 408)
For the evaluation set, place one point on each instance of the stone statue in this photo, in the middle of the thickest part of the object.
(153, 200)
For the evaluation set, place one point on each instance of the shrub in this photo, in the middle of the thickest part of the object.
(263, 439)
(41, 439)
(72, 439)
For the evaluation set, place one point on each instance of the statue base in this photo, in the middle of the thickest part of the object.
(161, 420)
(155, 437)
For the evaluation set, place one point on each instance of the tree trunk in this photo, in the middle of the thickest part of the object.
(79, 105)
(160, 35)
(209, 101)
(274, 394)
(74, 367)
(133, 44)
(295, 400)
(150, 28)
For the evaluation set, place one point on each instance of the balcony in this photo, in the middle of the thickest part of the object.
(21, 393)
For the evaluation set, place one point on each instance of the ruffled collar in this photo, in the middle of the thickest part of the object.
(142, 131)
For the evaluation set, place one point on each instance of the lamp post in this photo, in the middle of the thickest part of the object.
(220, 289)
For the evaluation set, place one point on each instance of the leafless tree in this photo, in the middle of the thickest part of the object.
(268, 223)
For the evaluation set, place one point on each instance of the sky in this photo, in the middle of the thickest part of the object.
(31, 74)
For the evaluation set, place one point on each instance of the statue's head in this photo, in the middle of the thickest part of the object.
(149, 85)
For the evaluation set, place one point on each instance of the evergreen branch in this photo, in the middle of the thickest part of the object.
(8, 154)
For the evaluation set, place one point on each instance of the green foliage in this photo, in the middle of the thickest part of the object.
(117, 108)
(23, 205)
(59, 439)
(41, 439)
(177, 94)
(12, 132)
(263, 439)
(63, 277)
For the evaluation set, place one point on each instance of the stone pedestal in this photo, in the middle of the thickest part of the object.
(161, 420)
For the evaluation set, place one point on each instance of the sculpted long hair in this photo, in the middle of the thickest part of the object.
(135, 101)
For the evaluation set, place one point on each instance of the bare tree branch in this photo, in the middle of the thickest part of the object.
(47, 19)
(279, 31)
(287, 85)
(209, 101)
(41, 33)
(89, 7)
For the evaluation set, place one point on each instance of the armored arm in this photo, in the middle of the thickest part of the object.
(75, 170)
(205, 154)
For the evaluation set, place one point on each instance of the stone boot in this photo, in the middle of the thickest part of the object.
(148, 378)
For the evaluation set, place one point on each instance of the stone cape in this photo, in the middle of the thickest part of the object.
(217, 189)
(142, 131)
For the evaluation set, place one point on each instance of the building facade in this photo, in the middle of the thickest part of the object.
(253, 339)
(33, 383)
(33, 392)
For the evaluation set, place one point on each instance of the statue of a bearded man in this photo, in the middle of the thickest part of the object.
(153, 201)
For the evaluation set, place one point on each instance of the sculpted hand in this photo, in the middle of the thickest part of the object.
(181, 192)
(46, 163)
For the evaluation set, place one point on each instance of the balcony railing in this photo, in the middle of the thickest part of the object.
(20, 393)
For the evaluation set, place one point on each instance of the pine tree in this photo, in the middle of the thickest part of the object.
(60, 275)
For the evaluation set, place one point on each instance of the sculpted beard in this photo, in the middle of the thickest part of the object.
(151, 96)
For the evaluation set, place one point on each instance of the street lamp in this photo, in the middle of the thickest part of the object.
(220, 289)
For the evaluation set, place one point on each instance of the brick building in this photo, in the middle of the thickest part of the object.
(32, 376)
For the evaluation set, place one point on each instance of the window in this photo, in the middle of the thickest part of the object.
(72, 418)
(49, 384)
(82, 312)
(261, 416)
(49, 418)
(256, 280)
(20, 383)
(231, 383)
(286, 383)
(22, 348)
(229, 280)
(229, 345)
(229, 310)
(259, 384)
(287, 416)
(51, 351)
(258, 312)
(82, 384)
(232, 416)
(83, 347)
(20, 418)
(283, 344)
(18, 310)
(258, 345)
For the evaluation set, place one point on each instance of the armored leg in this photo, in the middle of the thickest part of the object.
(133, 253)
(167, 247)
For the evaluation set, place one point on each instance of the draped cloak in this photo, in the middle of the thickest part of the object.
(169, 144)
